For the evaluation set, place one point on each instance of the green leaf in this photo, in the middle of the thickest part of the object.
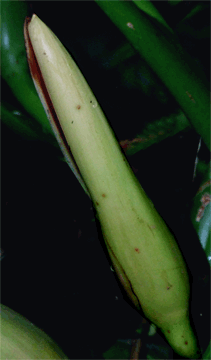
(24, 126)
(156, 131)
(207, 354)
(14, 69)
(148, 7)
(119, 350)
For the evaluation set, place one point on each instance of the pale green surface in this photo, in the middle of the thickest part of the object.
(44, 48)
(21, 339)
(134, 232)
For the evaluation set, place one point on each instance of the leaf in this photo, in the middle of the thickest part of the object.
(148, 7)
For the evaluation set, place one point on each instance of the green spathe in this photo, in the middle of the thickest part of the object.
(143, 250)
(20, 339)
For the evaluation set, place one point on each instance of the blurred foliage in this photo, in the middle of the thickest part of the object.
(207, 353)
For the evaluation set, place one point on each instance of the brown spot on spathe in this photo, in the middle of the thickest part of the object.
(103, 195)
(78, 107)
(169, 286)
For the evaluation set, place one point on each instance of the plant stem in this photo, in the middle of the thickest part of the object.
(168, 59)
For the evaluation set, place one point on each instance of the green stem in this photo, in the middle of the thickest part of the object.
(168, 59)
